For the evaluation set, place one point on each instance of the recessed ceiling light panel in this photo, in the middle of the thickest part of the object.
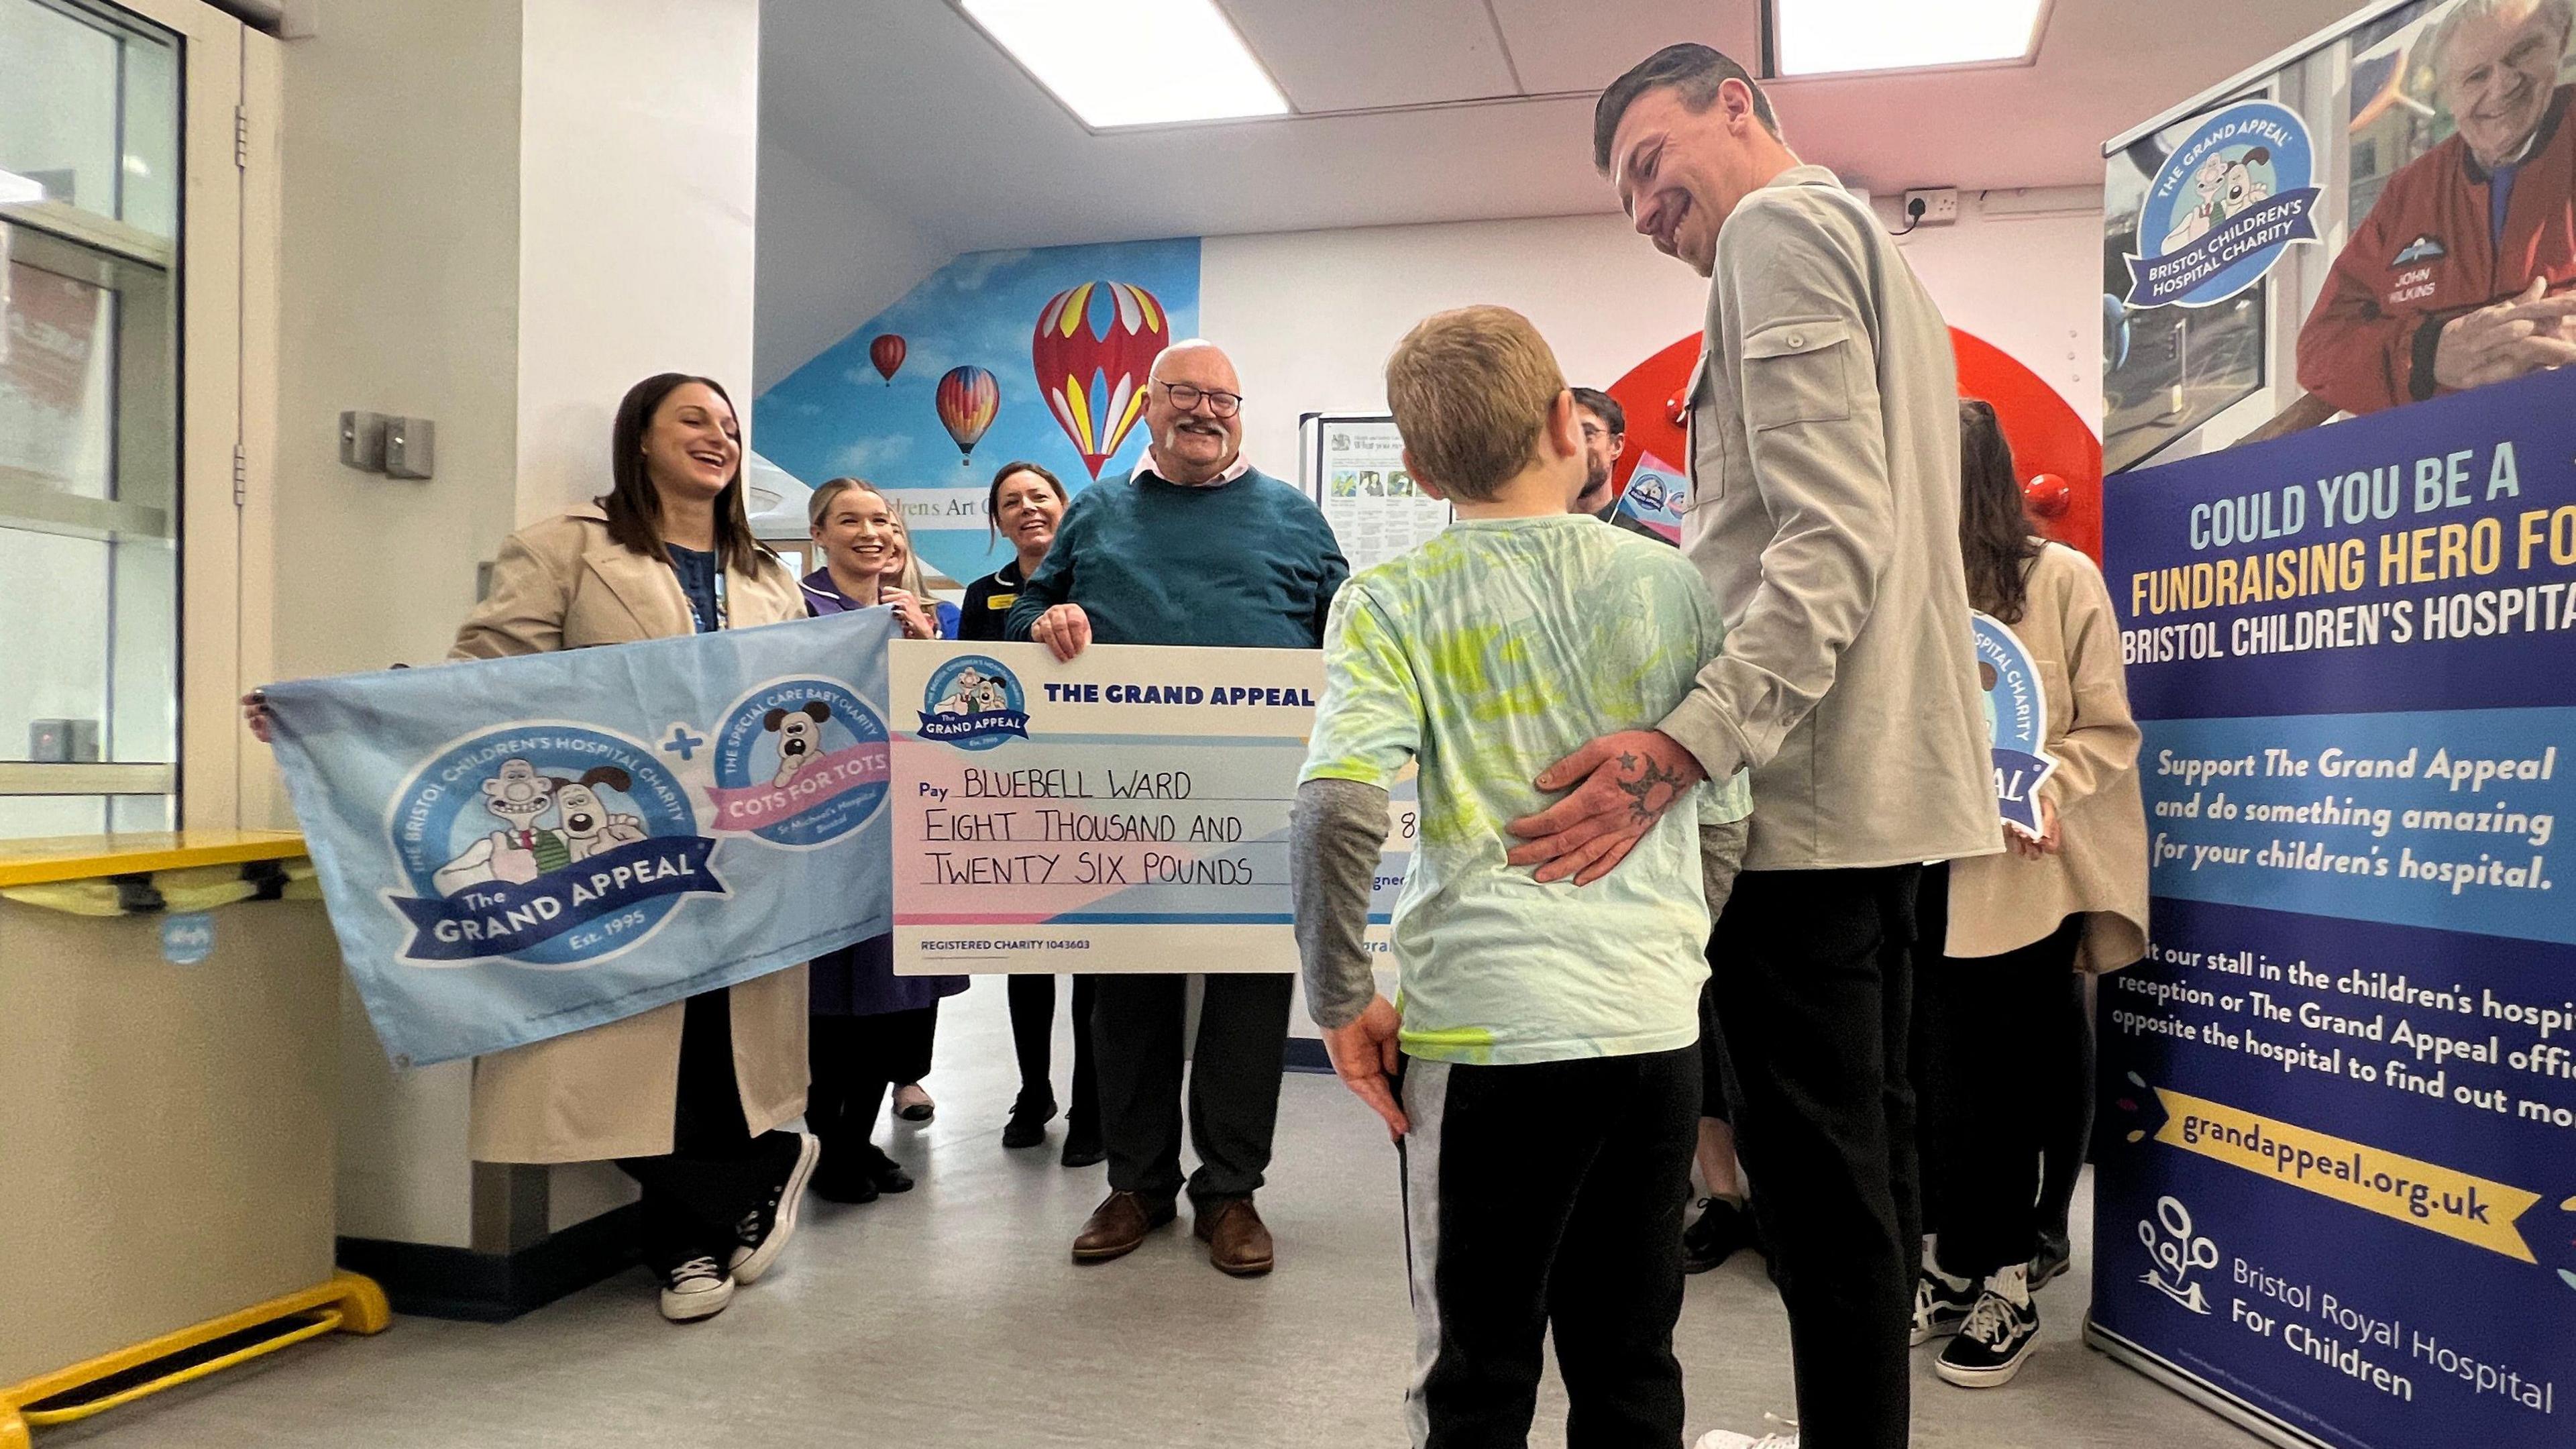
(1133, 62)
(1836, 37)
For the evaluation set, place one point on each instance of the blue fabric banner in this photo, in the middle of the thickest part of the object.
(2338, 1174)
(513, 849)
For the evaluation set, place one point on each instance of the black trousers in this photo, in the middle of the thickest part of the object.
(1033, 1042)
(1995, 1063)
(1815, 995)
(696, 1196)
(2069, 1141)
(1502, 1248)
(1136, 1027)
(854, 1060)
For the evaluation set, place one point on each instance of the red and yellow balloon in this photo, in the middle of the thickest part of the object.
(1094, 347)
(968, 398)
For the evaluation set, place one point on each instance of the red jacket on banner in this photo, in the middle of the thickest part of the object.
(2426, 254)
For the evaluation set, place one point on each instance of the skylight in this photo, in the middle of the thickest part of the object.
(1836, 37)
(1133, 62)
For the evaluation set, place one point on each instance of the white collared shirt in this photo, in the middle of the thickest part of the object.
(1236, 469)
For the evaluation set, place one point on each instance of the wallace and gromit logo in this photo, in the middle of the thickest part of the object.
(551, 845)
(799, 763)
(973, 703)
(2234, 196)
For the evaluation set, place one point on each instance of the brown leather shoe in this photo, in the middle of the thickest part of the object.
(1238, 1242)
(1118, 1227)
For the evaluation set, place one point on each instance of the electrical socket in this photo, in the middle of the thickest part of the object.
(1940, 205)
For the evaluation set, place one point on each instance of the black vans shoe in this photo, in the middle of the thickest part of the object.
(1999, 1333)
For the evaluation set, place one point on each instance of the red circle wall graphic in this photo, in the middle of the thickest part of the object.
(2047, 435)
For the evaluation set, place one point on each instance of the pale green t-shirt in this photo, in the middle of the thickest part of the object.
(1488, 654)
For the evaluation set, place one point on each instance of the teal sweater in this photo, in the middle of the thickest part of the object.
(1249, 564)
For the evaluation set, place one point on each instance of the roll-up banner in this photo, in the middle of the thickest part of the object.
(2337, 1185)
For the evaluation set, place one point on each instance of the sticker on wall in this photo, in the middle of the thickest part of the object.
(2236, 194)
(187, 939)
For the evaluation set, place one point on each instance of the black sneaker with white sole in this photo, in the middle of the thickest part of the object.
(697, 1288)
(1999, 1333)
(765, 1229)
(1941, 1303)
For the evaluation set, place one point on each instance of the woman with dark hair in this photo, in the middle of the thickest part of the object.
(687, 1098)
(1997, 1050)
(871, 1028)
(1023, 506)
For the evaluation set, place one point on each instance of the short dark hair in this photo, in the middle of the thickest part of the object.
(1693, 71)
(1603, 406)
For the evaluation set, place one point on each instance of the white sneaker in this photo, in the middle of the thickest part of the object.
(696, 1289)
(765, 1231)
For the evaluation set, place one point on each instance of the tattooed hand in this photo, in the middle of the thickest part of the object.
(1623, 784)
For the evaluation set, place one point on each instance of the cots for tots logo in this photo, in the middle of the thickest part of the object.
(2230, 199)
(973, 703)
(547, 844)
(799, 763)
(2016, 707)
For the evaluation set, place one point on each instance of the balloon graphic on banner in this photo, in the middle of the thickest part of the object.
(886, 351)
(968, 398)
(1094, 347)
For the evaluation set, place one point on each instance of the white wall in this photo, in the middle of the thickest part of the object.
(830, 259)
(1310, 316)
(399, 171)
(638, 179)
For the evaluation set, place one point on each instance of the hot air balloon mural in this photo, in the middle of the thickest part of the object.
(886, 351)
(968, 398)
(1094, 347)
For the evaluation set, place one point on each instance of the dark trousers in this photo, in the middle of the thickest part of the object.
(854, 1059)
(2070, 1129)
(1994, 1067)
(1502, 1247)
(1136, 1026)
(696, 1196)
(1814, 994)
(1033, 1041)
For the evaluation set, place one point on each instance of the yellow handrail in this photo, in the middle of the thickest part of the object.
(327, 1321)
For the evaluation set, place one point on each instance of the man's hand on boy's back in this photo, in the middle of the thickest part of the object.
(1366, 1058)
(1628, 780)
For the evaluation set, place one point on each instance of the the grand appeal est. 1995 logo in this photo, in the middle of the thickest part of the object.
(2230, 199)
(973, 703)
(799, 763)
(549, 844)
(2016, 706)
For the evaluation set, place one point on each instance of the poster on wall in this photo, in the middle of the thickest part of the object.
(1038, 356)
(2405, 230)
(1355, 471)
(2337, 1190)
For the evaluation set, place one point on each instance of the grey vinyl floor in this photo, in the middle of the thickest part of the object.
(951, 1316)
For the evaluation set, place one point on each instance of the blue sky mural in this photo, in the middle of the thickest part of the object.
(837, 415)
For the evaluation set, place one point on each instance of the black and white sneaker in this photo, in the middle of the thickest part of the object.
(2000, 1332)
(1941, 1303)
(695, 1289)
(1714, 1236)
(765, 1229)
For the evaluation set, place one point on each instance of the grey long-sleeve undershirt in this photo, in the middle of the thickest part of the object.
(1337, 833)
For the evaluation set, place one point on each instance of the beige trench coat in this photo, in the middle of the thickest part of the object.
(611, 1091)
(1999, 903)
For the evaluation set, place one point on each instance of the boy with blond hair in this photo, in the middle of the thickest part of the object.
(1541, 1076)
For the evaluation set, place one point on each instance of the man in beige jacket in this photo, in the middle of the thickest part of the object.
(1824, 513)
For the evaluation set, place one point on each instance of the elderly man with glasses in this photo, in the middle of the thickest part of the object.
(1197, 547)
(2460, 274)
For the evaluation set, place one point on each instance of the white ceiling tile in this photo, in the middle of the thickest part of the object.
(1583, 47)
(1344, 55)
